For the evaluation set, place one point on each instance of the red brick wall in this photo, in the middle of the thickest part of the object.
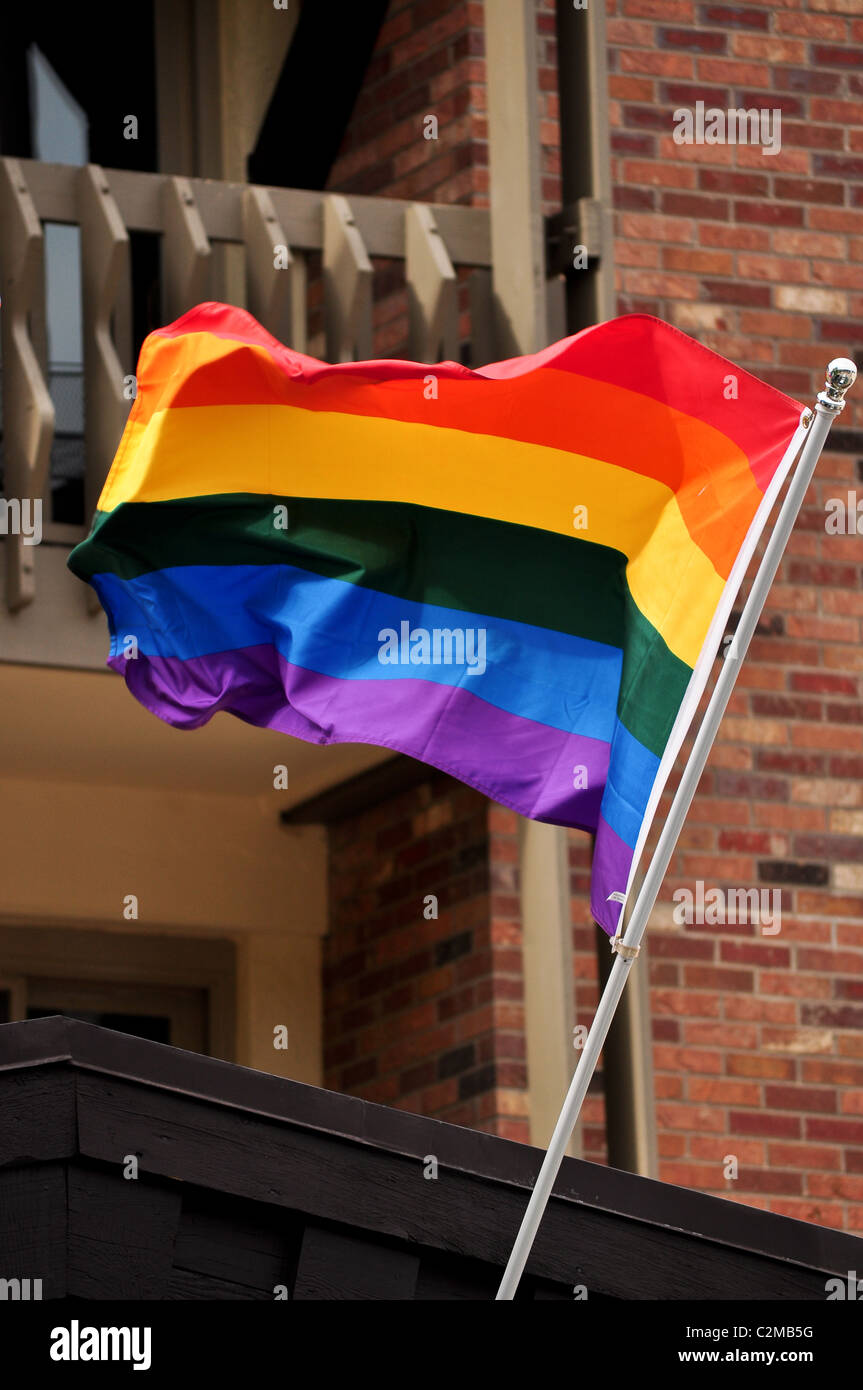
(757, 1043)
(428, 61)
(758, 255)
(758, 1049)
(426, 1014)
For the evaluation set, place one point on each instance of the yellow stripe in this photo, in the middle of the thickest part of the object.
(288, 451)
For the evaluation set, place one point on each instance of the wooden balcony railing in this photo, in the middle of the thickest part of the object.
(194, 218)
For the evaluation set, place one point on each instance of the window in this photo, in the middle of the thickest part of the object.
(59, 135)
(170, 989)
(165, 1014)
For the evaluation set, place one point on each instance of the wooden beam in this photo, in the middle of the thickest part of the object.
(380, 221)
(517, 229)
(627, 1068)
(28, 423)
(120, 1232)
(520, 323)
(313, 99)
(33, 1236)
(175, 92)
(297, 1170)
(547, 956)
(585, 163)
(105, 290)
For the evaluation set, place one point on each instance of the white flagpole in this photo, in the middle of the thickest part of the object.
(841, 374)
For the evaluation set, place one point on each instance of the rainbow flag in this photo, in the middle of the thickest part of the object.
(519, 574)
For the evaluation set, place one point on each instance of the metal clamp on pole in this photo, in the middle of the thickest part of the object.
(618, 947)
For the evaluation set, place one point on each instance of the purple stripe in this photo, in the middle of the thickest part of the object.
(518, 762)
(612, 858)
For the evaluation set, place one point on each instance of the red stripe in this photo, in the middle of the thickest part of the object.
(636, 351)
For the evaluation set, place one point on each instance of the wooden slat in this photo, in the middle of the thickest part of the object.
(548, 972)
(121, 1233)
(191, 1286)
(28, 412)
(235, 1241)
(347, 284)
(26, 1098)
(105, 282)
(185, 250)
(275, 278)
(344, 1265)
(431, 284)
(33, 1226)
(465, 231)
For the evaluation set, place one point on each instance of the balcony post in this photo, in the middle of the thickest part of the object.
(28, 411)
(521, 325)
(105, 281)
(275, 276)
(517, 228)
(347, 284)
(432, 290)
(186, 249)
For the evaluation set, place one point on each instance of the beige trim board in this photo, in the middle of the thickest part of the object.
(217, 64)
(517, 224)
(600, 145)
(217, 863)
(279, 987)
(627, 1062)
(547, 959)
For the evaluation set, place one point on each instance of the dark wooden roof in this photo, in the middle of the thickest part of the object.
(247, 1181)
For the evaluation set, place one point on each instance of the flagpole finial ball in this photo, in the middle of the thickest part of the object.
(841, 374)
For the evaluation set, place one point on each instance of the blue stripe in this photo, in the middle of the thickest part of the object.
(333, 627)
(632, 770)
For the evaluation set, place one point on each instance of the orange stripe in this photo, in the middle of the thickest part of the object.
(708, 473)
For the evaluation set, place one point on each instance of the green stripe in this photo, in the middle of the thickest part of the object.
(465, 562)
